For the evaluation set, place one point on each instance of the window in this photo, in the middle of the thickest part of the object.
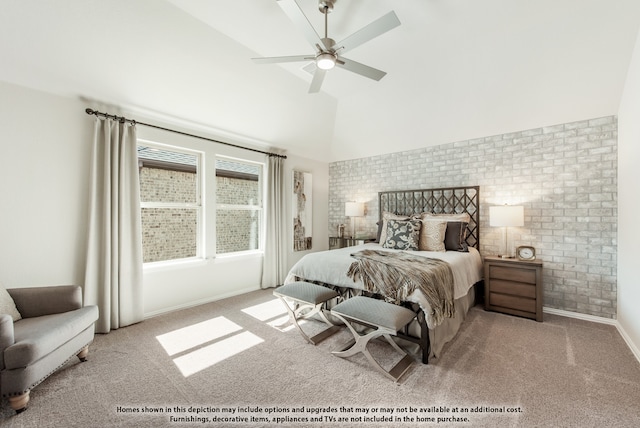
(171, 202)
(238, 205)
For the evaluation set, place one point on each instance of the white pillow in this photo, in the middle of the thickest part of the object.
(7, 305)
(465, 217)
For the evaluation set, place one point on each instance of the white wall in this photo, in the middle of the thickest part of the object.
(45, 150)
(45, 147)
(629, 204)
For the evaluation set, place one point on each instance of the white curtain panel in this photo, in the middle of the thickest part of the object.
(274, 267)
(113, 279)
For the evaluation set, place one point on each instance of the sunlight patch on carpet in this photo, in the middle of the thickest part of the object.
(267, 310)
(273, 313)
(210, 355)
(195, 335)
(206, 343)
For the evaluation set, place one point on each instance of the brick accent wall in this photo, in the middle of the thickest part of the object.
(564, 175)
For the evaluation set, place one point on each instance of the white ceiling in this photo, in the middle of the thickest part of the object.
(457, 69)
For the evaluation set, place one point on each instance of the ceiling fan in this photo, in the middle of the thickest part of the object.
(329, 53)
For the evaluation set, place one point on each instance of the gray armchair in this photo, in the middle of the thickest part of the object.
(54, 327)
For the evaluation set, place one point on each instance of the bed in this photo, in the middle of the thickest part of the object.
(458, 209)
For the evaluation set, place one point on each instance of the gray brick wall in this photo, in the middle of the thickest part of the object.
(564, 175)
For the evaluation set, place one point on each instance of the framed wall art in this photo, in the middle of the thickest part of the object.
(302, 211)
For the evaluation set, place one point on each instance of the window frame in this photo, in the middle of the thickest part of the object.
(199, 205)
(260, 208)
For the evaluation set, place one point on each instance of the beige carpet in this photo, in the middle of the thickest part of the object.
(203, 362)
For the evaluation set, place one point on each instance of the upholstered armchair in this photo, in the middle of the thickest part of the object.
(52, 327)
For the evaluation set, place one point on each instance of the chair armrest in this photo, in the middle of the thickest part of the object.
(37, 301)
(7, 337)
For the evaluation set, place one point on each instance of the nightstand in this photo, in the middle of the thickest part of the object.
(513, 287)
(336, 242)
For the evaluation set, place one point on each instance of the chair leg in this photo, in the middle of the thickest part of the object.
(19, 403)
(82, 355)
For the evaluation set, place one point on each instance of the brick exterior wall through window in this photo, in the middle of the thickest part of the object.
(170, 234)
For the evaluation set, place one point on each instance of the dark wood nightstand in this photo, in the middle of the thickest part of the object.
(513, 287)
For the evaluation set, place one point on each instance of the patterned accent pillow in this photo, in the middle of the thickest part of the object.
(403, 234)
(432, 235)
(386, 216)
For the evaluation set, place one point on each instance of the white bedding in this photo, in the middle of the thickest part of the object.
(330, 267)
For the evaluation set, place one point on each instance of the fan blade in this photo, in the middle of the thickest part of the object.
(310, 68)
(277, 59)
(368, 32)
(316, 83)
(361, 69)
(295, 14)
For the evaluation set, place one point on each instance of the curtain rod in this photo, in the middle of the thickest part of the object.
(135, 122)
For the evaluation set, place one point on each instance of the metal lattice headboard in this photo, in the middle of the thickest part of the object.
(446, 200)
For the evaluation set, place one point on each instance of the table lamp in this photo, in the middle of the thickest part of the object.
(506, 216)
(353, 210)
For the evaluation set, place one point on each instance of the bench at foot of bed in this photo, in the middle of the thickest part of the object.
(385, 318)
(310, 298)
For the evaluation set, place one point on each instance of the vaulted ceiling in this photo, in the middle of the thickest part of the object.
(457, 69)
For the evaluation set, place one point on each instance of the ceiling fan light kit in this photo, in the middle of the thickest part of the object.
(326, 60)
(329, 53)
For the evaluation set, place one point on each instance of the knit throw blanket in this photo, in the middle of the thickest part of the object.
(396, 275)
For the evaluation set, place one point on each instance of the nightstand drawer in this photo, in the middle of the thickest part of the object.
(512, 302)
(513, 274)
(513, 288)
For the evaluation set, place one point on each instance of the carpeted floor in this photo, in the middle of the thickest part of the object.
(207, 365)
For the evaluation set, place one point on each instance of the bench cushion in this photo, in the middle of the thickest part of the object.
(306, 292)
(375, 312)
(39, 336)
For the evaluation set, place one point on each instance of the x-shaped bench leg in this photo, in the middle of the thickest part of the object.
(360, 342)
(297, 314)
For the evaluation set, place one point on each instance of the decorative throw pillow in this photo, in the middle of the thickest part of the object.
(447, 217)
(432, 235)
(403, 234)
(454, 238)
(7, 305)
(386, 216)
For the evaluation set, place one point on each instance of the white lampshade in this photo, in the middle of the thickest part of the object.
(506, 216)
(354, 209)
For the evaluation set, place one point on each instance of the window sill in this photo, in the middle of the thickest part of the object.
(222, 258)
(174, 264)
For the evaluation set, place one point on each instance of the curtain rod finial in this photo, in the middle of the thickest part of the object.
(89, 111)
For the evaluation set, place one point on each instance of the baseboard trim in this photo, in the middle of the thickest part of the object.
(579, 316)
(630, 344)
(634, 349)
(199, 302)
